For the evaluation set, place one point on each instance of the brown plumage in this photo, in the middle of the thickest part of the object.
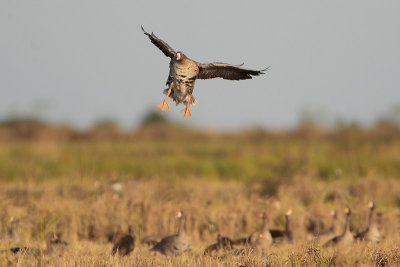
(50, 240)
(328, 232)
(255, 245)
(263, 242)
(151, 240)
(287, 234)
(177, 243)
(125, 244)
(223, 242)
(346, 237)
(184, 72)
(212, 248)
(371, 233)
(58, 240)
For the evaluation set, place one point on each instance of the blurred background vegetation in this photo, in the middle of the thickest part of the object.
(30, 148)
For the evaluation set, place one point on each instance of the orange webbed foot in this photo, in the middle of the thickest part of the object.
(186, 112)
(163, 105)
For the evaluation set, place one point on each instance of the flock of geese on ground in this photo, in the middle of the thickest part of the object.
(256, 242)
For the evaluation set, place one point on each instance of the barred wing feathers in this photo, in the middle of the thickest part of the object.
(163, 46)
(226, 71)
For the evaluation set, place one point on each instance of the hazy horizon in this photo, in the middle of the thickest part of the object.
(80, 62)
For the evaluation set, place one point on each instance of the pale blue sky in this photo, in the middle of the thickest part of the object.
(80, 61)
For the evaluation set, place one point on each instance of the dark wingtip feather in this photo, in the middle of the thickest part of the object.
(144, 31)
(264, 70)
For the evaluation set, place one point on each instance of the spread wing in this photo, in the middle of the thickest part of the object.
(163, 46)
(226, 71)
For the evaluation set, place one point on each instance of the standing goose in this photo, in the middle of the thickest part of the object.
(287, 234)
(371, 233)
(13, 223)
(255, 245)
(177, 243)
(183, 73)
(258, 243)
(346, 237)
(125, 244)
(266, 239)
(50, 240)
(331, 230)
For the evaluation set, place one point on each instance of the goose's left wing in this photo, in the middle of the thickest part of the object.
(226, 71)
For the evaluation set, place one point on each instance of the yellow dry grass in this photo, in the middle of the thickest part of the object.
(86, 212)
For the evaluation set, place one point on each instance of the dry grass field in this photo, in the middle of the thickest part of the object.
(89, 186)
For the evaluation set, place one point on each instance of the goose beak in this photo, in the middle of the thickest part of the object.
(289, 211)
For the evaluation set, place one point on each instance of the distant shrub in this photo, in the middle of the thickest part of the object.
(153, 117)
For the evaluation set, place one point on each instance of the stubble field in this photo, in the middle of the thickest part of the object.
(88, 187)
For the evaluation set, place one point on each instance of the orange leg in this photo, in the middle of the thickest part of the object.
(186, 111)
(165, 105)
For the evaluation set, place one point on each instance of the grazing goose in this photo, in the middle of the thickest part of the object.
(223, 242)
(125, 244)
(346, 237)
(50, 239)
(151, 240)
(214, 247)
(177, 243)
(371, 233)
(287, 234)
(183, 73)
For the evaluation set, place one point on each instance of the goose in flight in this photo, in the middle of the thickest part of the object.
(183, 73)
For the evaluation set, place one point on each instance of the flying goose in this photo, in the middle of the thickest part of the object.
(183, 73)
(371, 233)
